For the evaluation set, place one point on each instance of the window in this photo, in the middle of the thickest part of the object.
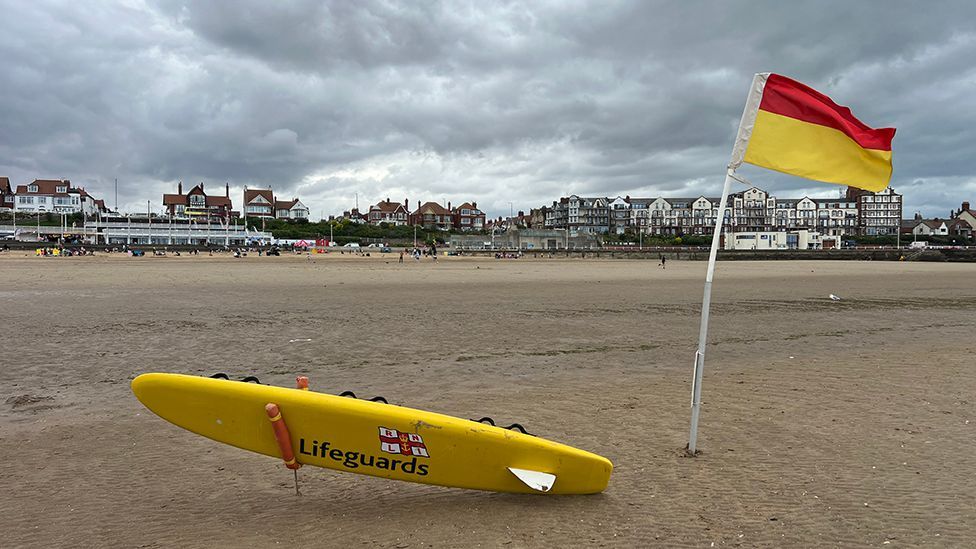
(32, 188)
(61, 189)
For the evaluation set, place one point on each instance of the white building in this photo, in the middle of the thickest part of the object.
(291, 209)
(780, 240)
(53, 196)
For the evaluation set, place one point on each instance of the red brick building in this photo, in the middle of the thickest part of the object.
(197, 204)
(355, 216)
(262, 203)
(467, 217)
(6, 194)
(386, 211)
(432, 215)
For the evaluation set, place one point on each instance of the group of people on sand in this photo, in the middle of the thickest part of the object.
(416, 253)
(61, 251)
(509, 255)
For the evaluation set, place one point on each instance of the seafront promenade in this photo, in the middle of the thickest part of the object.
(882, 253)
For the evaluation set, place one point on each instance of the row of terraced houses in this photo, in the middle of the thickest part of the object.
(61, 197)
(430, 215)
(753, 210)
(258, 203)
(858, 212)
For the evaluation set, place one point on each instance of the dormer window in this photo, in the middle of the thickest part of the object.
(61, 189)
(32, 188)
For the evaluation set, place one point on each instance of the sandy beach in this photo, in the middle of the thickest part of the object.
(824, 423)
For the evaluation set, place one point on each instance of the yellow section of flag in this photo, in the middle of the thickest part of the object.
(816, 152)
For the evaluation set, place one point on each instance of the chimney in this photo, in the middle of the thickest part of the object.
(406, 204)
(448, 204)
(918, 216)
(179, 188)
(227, 190)
(475, 205)
(965, 206)
(201, 185)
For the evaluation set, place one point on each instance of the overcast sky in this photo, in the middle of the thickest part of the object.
(493, 102)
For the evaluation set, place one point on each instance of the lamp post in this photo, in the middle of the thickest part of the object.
(149, 217)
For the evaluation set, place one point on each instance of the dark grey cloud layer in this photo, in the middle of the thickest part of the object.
(496, 102)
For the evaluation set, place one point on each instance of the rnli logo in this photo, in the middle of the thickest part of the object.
(404, 444)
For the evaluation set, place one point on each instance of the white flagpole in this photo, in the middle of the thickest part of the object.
(738, 153)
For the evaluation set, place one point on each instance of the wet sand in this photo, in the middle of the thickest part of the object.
(825, 422)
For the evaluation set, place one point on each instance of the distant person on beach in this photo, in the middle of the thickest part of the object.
(401, 257)
(433, 252)
(663, 261)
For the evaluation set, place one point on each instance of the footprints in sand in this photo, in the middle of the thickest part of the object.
(32, 403)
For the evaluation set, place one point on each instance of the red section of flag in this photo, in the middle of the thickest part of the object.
(787, 97)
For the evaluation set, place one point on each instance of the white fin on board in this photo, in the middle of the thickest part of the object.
(534, 479)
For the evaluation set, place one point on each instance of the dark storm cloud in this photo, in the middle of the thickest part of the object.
(491, 101)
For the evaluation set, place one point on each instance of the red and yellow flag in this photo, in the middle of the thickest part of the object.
(792, 128)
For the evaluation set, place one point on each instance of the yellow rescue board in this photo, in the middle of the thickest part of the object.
(372, 438)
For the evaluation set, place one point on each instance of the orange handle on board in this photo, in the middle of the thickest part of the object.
(302, 382)
(282, 436)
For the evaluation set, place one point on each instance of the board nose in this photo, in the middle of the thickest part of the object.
(143, 385)
(139, 385)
